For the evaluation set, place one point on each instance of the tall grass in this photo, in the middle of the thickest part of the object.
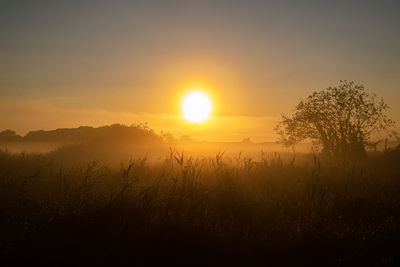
(190, 210)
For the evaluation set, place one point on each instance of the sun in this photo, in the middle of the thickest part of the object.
(197, 107)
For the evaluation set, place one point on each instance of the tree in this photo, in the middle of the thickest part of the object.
(342, 119)
(9, 136)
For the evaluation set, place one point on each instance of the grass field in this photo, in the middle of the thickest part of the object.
(282, 210)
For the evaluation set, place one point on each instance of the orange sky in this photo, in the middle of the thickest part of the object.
(72, 64)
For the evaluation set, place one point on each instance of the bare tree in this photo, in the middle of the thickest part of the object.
(341, 118)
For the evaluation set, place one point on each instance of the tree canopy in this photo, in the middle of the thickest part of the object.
(341, 118)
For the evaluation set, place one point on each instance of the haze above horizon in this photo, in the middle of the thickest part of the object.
(73, 63)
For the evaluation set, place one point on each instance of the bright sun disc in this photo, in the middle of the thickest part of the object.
(196, 107)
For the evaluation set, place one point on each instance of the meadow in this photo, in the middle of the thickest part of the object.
(186, 209)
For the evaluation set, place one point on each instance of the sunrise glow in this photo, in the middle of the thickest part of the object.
(197, 107)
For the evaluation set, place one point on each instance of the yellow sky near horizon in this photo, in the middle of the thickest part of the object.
(35, 116)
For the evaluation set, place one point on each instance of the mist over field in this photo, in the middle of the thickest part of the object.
(118, 194)
(121, 141)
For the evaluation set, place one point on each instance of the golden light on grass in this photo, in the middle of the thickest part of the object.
(197, 107)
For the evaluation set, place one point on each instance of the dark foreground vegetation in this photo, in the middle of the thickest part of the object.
(189, 211)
